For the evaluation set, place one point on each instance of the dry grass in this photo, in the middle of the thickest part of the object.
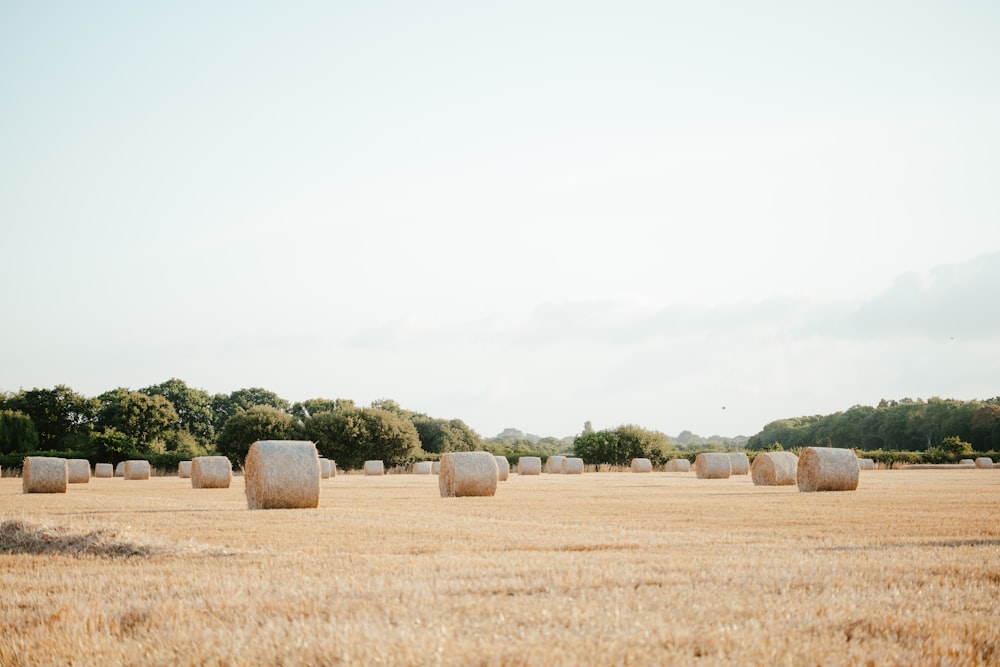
(607, 569)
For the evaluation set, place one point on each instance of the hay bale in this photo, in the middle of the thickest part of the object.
(436, 468)
(136, 470)
(422, 468)
(468, 474)
(78, 471)
(503, 468)
(641, 465)
(333, 468)
(104, 470)
(969, 463)
(120, 469)
(739, 463)
(572, 466)
(282, 474)
(866, 464)
(827, 469)
(713, 465)
(529, 465)
(774, 469)
(375, 468)
(44, 474)
(984, 462)
(184, 469)
(324, 468)
(553, 464)
(211, 472)
(678, 465)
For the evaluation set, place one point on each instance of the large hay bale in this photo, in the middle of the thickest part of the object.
(678, 465)
(774, 469)
(468, 474)
(44, 474)
(120, 469)
(104, 470)
(78, 471)
(553, 464)
(324, 468)
(984, 462)
(712, 465)
(572, 465)
(529, 465)
(739, 463)
(866, 464)
(503, 468)
(422, 468)
(374, 468)
(641, 465)
(211, 472)
(184, 469)
(136, 470)
(282, 474)
(827, 469)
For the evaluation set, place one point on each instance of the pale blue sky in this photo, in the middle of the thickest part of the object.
(526, 214)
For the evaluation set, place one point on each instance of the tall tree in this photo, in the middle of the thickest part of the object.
(17, 433)
(193, 407)
(139, 417)
(260, 422)
(62, 418)
(351, 437)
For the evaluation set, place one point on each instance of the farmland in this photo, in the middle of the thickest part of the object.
(602, 569)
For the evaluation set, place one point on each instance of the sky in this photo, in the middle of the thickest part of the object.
(698, 216)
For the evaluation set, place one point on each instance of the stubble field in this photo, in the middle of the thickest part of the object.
(598, 569)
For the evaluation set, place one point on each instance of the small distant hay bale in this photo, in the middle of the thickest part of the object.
(984, 462)
(678, 465)
(529, 465)
(422, 468)
(967, 462)
(713, 465)
(374, 468)
(436, 468)
(44, 474)
(120, 469)
(641, 465)
(104, 470)
(572, 465)
(827, 469)
(866, 464)
(333, 468)
(739, 463)
(184, 469)
(78, 471)
(468, 474)
(136, 470)
(324, 468)
(503, 468)
(211, 472)
(774, 469)
(282, 474)
(553, 464)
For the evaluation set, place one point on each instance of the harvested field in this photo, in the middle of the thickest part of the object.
(607, 569)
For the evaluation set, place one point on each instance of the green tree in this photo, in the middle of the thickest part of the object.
(225, 406)
(443, 435)
(139, 417)
(260, 422)
(622, 444)
(193, 407)
(352, 436)
(62, 418)
(17, 433)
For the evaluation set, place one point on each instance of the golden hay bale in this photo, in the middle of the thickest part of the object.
(211, 472)
(422, 468)
(739, 463)
(641, 465)
(436, 468)
(333, 468)
(78, 471)
(678, 465)
(553, 464)
(136, 470)
(984, 462)
(572, 465)
(503, 468)
(967, 462)
(827, 469)
(184, 469)
(282, 474)
(374, 468)
(324, 468)
(529, 465)
(712, 465)
(866, 464)
(44, 474)
(104, 470)
(774, 469)
(120, 469)
(468, 474)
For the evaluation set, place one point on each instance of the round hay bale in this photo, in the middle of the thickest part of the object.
(120, 469)
(136, 470)
(866, 464)
(827, 469)
(333, 468)
(553, 464)
(104, 470)
(503, 468)
(211, 472)
(324, 468)
(44, 474)
(712, 465)
(967, 462)
(282, 474)
(436, 468)
(468, 474)
(739, 463)
(641, 465)
(678, 465)
(774, 469)
(529, 465)
(78, 471)
(984, 462)
(184, 469)
(422, 468)
(572, 466)
(375, 468)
